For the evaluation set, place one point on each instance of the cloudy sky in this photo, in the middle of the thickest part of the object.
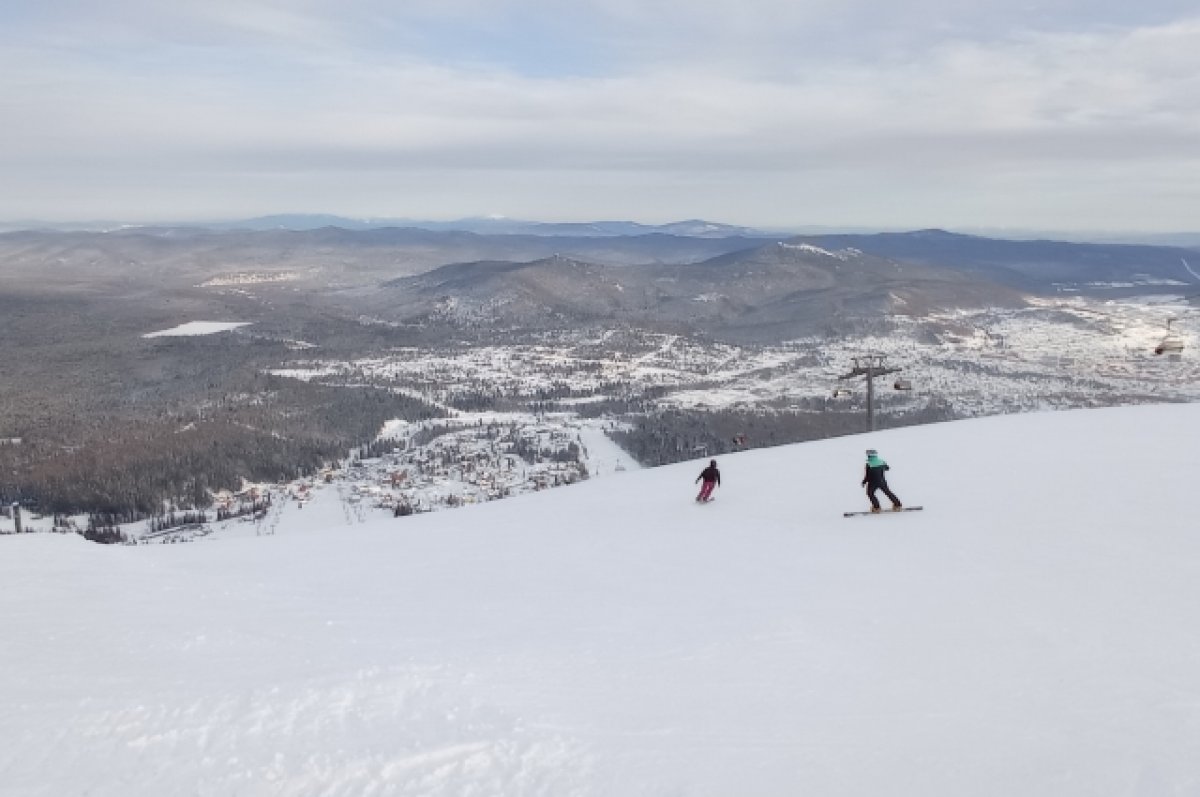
(1063, 114)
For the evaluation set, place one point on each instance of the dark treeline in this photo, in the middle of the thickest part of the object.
(279, 429)
(676, 435)
(430, 433)
(174, 520)
(515, 398)
(529, 451)
(618, 400)
(106, 535)
(254, 508)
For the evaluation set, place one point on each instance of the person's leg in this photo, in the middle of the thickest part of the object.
(891, 496)
(706, 490)
(871, 488)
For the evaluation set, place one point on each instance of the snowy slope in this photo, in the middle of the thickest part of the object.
(1033, 632)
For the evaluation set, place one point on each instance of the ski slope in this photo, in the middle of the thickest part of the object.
(1035, 631)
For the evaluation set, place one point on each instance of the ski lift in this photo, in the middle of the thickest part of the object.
(842, 392)
(902, 384)
(1171, 343)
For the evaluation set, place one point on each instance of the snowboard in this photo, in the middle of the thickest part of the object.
(885, 512)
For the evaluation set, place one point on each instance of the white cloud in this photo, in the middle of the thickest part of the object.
(315, 104)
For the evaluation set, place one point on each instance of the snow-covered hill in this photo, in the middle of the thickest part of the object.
(1032, 632)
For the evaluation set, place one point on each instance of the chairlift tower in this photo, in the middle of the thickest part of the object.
(870, 366)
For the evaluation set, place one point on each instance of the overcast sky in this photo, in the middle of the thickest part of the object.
(1066, 114)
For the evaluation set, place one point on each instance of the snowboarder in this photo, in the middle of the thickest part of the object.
(874, 479)
(711, 478)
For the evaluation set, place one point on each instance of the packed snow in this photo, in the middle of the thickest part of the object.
(1031, 632)
(196, 328)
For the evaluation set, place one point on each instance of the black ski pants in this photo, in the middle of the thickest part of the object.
(873, 486)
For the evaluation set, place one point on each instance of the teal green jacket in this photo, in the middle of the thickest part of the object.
(875, 469)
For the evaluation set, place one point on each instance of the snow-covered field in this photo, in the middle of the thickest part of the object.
(195, 328)
(1032, 632)
(1061, 353)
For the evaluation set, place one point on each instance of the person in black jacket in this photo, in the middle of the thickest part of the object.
(874, 479)
(711, 478)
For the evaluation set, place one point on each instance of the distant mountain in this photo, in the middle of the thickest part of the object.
(300, 221)
(723, 285)
(693, 228)
(769, 292)
(323, 257)
(1040, 266)
(1187, 240)
(488, 225)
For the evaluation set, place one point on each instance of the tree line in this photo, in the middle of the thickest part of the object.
(134, 469)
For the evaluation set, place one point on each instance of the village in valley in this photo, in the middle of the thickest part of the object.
(471, 458)
(550, 412)
(413, 467)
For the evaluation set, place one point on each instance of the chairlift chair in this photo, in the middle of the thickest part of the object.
(1171, 343)
(902, 384)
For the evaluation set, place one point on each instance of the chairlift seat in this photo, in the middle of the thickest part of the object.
(1168, 345)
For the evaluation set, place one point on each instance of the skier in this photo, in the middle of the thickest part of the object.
(874, 479)
(711, 477)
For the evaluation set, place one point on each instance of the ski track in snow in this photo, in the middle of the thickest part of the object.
(394, 734)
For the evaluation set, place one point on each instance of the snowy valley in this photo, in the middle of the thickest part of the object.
(522, 417)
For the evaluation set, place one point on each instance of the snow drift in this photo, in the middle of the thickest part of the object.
(1032, 632)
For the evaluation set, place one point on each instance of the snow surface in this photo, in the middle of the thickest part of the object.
(1032, 632)
(194, 328)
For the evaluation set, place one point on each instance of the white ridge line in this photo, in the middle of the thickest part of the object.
(1189, 269)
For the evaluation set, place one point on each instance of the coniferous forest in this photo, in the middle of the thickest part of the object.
(132, 469)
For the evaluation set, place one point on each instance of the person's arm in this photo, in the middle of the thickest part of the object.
(866, 473)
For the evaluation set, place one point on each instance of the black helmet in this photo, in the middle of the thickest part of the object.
(713, 463)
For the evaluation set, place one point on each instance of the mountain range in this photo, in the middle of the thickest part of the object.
(485, 225)
(500, 225)
(1037, 266)
(729, 285)
(773, 291)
